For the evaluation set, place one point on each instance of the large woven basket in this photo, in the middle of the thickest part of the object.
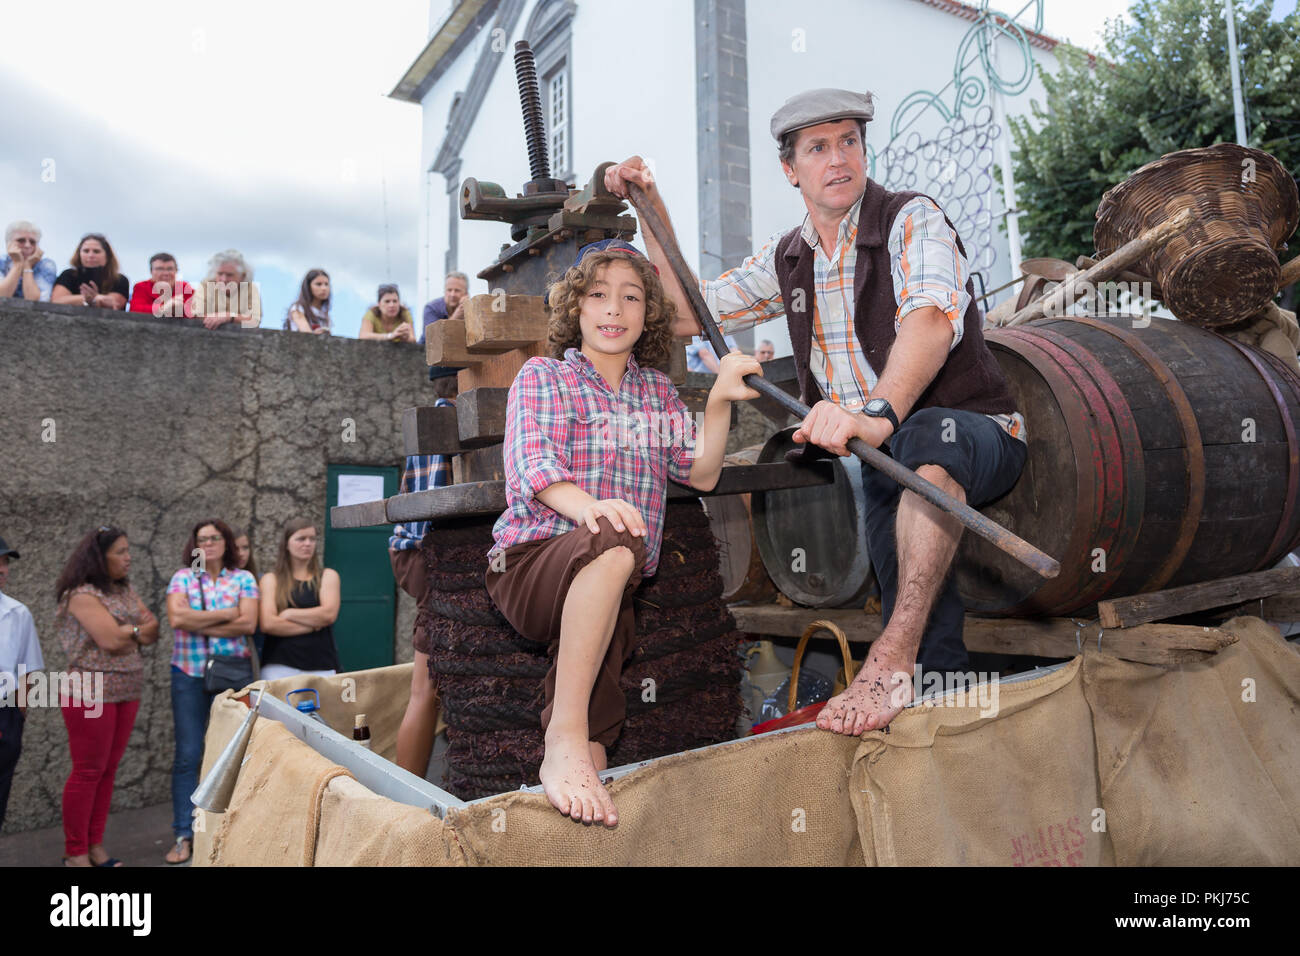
(1224, 268)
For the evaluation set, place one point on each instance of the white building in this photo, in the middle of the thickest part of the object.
(691, 85)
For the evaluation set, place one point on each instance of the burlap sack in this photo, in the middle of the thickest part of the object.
(772, 800)
(381, 694)
(360, 828)
(274, 814)
(224, 720)
(1192, 774)
(1018, 788)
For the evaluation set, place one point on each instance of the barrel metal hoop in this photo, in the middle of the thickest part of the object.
(1130, 497)
(1054, 595)
(1111, 506)
(1288, 376)
(1292, 450)
(1195, 450)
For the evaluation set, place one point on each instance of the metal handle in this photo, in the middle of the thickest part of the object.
(1024, 552)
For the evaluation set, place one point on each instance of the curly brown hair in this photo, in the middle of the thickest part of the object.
(567, 293)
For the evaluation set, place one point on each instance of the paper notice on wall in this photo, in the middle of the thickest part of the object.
(355, 489)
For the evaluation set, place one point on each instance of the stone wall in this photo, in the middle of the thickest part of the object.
(150, 424)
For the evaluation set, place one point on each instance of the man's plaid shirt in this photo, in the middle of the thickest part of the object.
(563, 423)
(927, 270)
(422, 472)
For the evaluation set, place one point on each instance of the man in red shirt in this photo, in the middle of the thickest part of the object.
(159, 294)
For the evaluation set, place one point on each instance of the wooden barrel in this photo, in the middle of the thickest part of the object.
(1158, 457)
(730, 519)
(814, 540)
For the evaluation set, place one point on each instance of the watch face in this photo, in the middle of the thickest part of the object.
(876, 406)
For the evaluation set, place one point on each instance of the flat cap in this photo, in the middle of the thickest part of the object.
(821, 106)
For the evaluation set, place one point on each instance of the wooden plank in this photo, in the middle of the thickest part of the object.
(499, 322)
(1142, 608)
(444, 344)
(453, 501)
(480, 464)
(1278, 607)
(364, 515)
(481, 417)
(430, 430)
(497, 371)
(1044, 637)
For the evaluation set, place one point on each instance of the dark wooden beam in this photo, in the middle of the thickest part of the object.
(481, 416)
(1041, 637)
(1172, 602)
(478, 465)
(489, 497)
(430, 430)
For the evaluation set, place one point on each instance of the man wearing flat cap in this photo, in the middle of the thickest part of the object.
(876, 290)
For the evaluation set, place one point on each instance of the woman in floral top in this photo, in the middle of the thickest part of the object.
(212, 608)
(102, 624)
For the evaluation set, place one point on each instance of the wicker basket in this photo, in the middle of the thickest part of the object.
(1225, 267)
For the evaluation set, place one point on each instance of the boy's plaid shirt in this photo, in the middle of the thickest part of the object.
(421, 473)
(190, 651)
(563, 423)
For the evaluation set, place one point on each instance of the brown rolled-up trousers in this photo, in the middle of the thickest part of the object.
(412, 577)
(530, 591)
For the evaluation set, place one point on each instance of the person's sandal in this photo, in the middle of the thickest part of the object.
(188, 851)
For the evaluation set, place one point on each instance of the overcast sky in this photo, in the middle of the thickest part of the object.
(264, 126)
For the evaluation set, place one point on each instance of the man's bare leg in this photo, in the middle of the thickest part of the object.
(415, 735)
(927, 539)
(568, 774)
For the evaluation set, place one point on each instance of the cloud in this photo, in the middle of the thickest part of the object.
(283, 151)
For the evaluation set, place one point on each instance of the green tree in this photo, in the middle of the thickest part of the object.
(1161, 83)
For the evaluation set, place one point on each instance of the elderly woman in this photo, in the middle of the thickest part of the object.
(228, 294)
(25, 272)
(94, 278)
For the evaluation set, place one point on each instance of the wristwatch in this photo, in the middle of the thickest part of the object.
(880, 408)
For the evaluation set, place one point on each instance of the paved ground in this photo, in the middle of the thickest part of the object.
(136, 837)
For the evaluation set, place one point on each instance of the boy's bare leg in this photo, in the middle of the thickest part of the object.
(591, 608)
(415, 735)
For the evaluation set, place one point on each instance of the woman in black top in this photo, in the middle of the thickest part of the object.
(300, 603)
(93, 278)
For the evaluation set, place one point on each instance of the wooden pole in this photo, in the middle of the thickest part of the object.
(1054, 302)
(1024, 552)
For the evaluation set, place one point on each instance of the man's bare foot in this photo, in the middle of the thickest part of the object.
(880, 691)
(571, 782)
(597, 755)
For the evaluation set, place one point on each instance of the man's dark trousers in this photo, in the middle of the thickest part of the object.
(982, 458)
(11, 745)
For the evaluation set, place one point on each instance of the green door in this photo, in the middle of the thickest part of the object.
(367, 613)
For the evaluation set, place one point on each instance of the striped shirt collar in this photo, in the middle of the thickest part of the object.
(848, 228)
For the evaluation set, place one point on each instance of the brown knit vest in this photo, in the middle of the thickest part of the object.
(970, 379)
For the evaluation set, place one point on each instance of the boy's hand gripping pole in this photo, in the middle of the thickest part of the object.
(991, 531)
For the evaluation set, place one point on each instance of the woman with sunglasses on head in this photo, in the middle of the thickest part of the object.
(212, 608)
(94, 278)
(388, 319)
(300, 603)
(102, 624)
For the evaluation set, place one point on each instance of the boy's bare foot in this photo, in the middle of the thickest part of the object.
(877, 695)
(571, 783)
